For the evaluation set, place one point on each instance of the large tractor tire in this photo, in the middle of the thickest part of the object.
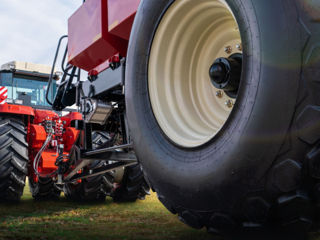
(44, 189)
(238, 148)
(13, 158)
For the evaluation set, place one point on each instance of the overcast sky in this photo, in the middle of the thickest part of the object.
(30, 29)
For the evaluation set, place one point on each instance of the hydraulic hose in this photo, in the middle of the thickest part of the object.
(36, 161)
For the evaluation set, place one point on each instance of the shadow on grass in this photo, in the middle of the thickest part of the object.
(30, 207)
(64, 219)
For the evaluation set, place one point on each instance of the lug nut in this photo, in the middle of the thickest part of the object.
(228, 49)
(239, 46)
(229, 103)
(219, 94)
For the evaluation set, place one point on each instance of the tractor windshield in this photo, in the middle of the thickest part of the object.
(29, 89)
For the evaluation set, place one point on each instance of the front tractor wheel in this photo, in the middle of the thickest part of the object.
(44, 189)
(223, 113)
(13, 158)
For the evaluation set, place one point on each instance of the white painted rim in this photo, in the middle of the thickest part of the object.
(191, 36)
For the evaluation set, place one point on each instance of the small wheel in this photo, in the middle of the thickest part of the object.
(123, 185)
(133, 186)
(129, 182)
(223, 108)
(91, 189)
(13, 158)
(95, 188)
(44, 189)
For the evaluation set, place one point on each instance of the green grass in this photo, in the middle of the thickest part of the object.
(68, 220)
(63, 219)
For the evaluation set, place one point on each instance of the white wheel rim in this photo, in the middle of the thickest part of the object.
(191, 36)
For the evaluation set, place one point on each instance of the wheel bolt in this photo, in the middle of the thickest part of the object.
(228, 49)
(239, 46)
(229, 103)
(219, 94)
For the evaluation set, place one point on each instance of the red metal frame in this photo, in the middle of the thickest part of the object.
(98, 31)
(36, 134)
(17, 110)
(64, 134)
(121, 17)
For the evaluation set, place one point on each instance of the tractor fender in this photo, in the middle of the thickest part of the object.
(16, 110)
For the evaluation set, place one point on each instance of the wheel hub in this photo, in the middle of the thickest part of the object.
(187, 105)
(225, 74)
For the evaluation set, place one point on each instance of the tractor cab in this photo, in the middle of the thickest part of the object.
(26, 84)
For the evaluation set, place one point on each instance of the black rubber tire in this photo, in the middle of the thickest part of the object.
(45, 189)
(262, 168)
(95, 188)
(132, 187)
(13, 158)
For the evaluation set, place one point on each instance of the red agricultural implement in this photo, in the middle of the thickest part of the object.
(218, 99)
(39, 143)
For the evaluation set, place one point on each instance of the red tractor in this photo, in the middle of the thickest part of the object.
(218, 99)
(38, 143)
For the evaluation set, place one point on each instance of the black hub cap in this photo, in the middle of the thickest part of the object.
(225, 74)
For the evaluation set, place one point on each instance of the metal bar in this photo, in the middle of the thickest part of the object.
(114, 156)
(119, 157)
(64, 60)
(110, 149)
(99, 171)
(79, 166)
(123, 157)
(52, 69)
(88, 136)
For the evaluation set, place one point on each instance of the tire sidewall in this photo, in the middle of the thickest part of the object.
(237, 159)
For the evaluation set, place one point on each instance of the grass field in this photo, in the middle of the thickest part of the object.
(67, 220)
(142, 220)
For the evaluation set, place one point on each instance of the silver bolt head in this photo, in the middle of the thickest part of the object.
(219, 94)
(228, 49)
(229, 103)
(239, 46)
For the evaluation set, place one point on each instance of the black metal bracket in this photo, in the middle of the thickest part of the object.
(111, 154)
(101, 86)
(99, 171)
(105, 150)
